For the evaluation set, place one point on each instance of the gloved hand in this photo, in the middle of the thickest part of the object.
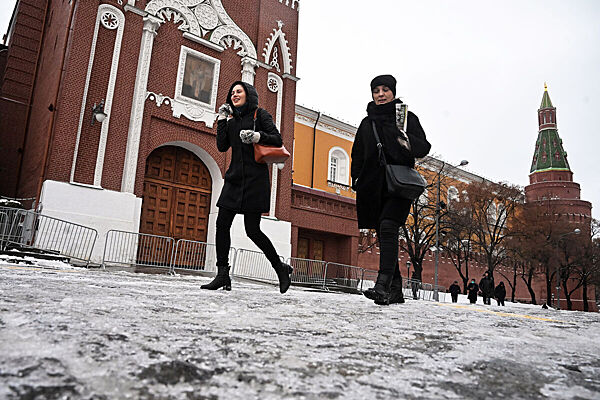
(225, 111)
(248, 136)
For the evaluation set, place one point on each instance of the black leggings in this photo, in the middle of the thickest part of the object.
(393, 215)
(252, 225)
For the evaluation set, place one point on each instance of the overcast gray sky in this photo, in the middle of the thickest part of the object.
(472, 70)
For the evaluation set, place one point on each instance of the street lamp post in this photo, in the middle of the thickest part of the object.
(437, 229)
(577, 231)
(408, 269)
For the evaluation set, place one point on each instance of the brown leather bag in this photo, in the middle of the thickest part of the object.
(269, 154)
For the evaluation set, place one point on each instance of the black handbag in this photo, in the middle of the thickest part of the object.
(402, 181)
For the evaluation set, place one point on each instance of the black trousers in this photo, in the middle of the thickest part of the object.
(393, 215)
(252, 225)
(454, 298)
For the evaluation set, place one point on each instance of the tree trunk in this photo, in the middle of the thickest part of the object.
(417, 272)
(584, 295)
(548, 286)
(514, 286)
(529, 288)
(567, 295)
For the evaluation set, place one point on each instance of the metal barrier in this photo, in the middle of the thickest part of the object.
(7, 215)
(307, 272)
(130, 249)
(252, 264)
(192, 255)
(34, 230)
(342, 277)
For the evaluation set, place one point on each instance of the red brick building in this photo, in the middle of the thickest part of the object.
(158, 70)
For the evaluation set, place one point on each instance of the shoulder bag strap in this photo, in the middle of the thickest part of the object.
(382, 160)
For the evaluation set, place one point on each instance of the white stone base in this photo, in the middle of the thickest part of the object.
(279, 232)
(93, 207)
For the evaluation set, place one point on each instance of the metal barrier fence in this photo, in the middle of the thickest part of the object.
(34, 230)
(343, 277)
(307, 272)
(7, 215)
(130, 249)
(192, 255)
(252, 264)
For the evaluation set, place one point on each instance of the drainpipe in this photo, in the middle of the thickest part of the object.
(52, 107)
(312, 168)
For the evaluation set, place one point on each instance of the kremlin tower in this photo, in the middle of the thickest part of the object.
(550, 177)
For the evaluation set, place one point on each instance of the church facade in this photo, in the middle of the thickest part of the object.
(109, 109)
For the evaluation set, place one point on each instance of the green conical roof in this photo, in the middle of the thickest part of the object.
(546, 103)
(549, 152)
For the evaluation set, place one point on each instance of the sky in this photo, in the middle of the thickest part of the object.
(472, 70)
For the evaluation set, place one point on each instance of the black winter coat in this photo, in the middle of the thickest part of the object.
(473, 289)
(368, 175)
(247, 186)
(487, 287)
(454, 289)
(500, 292)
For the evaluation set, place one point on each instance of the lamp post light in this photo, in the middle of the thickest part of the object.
(408, 263)
(576, 231)
(437, 228)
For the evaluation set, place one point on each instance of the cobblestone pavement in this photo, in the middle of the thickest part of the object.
(76, 334)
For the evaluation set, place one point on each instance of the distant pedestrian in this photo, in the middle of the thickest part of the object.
(500, 293)
(454, 290)
(415, 286)
(375, 207)
(486, 284)
(473, 289)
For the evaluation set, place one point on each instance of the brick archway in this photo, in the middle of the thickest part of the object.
(177, 193)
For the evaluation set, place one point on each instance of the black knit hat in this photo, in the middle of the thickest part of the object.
(386, 80)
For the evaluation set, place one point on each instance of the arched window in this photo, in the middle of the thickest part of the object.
(338, 166)
(492, 214)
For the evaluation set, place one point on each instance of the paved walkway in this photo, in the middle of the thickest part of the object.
(80, 334)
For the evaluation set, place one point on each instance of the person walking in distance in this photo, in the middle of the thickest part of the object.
(486, 285)
(472, 289)
(500, 293)
(375, 208)
(247, 188)
(454, 290)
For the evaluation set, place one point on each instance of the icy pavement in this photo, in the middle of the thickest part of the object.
(76, 334)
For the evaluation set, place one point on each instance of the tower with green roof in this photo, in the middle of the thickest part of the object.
(550, 176)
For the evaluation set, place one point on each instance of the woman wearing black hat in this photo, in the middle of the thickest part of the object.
(247, 188)
(374, 207)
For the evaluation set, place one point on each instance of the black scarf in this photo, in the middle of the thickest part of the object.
(242, 110)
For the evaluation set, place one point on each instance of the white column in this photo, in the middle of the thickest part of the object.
(248, 70)
(275, 85)
(151, 25)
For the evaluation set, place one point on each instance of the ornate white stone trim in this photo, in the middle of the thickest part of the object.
(151, 25)
(294, 3)
(119, 24)
(204, 18)
(278, 35)
(248, 70)
(191, 112)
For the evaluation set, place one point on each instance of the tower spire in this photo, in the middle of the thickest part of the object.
(549, 152)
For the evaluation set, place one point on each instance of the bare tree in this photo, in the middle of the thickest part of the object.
(458, 238)
(494, 208)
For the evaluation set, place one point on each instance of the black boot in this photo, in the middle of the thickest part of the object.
(396, 295)
(381, 292)
(222, 280)
(284, 271)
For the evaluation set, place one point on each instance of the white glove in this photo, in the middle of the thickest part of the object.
(224, 111)
(248, 136)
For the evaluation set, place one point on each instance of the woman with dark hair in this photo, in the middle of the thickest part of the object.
(247, 188)
(375, 207)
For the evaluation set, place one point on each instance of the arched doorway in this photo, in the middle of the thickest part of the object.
(177, 191)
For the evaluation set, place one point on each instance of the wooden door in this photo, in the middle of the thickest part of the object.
(177, 191)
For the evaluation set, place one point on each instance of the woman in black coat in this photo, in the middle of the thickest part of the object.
(247, 188)
(374, 207)
(473, 289)
(500, 293)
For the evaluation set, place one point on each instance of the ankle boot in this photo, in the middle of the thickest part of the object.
(284, 271)
(396, 295)
(222, 280)
(381, 292)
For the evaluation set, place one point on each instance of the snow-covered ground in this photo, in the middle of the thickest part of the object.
(68, 333)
